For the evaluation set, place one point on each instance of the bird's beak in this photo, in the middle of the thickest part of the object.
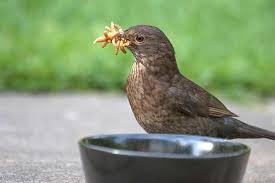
(124, 36)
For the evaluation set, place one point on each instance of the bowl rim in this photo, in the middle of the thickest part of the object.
(123, 152)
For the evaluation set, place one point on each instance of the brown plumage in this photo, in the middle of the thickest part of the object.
(164, 101)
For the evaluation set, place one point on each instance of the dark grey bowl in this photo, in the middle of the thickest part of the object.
(159, 158)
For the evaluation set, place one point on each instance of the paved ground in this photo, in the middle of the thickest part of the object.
(39, 135)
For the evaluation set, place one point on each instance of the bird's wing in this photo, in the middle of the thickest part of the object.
(193, 100)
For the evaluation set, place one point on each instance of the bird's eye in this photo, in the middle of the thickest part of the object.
(139, 38)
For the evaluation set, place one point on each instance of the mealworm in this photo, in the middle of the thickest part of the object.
(112, 35)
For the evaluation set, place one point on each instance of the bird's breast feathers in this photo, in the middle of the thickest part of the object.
(145, 94)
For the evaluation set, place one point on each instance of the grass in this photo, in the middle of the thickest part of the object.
(227, 46)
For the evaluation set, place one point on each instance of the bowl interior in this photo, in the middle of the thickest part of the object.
(165, 144)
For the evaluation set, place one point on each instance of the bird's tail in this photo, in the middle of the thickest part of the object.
(239, 129)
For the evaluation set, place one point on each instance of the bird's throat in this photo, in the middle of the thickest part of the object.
(157, 65)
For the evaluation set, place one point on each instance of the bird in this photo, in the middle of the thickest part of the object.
(165, 101)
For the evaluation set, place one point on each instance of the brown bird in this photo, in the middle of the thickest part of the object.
(164, 101)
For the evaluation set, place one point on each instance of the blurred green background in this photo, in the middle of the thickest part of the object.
(227, 46)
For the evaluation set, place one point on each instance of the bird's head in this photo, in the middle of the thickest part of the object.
(148, 43)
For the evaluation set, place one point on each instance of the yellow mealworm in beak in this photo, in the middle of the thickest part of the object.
(106, 34)
(116, 50)
(119, 43)
(100, 39)
(114, 42)
(104, 45)
(123, 49)
(117, 26)
(112, 35)
(118, 46)
(112, 25)
(108, 28)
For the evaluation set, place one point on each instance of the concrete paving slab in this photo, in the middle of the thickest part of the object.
(39, 135)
